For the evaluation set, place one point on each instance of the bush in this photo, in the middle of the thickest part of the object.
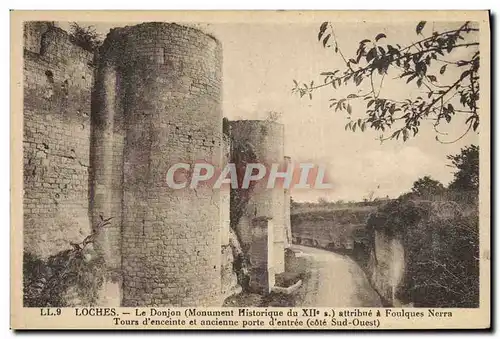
(287, 279)
(395, 217)
(441, 247)
(48, 283)
(85, 37)
(443, 263)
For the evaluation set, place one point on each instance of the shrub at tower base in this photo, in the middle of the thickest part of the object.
(68, 278)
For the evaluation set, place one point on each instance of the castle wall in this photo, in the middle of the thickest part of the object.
(99, 138)
(57, 86)
(225, 194)
(335, 229)
(170, 100)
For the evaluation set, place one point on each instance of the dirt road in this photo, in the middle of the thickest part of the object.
(333, 280)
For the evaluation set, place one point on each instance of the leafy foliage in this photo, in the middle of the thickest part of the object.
(427, 186)
(225, 126)
(85, 36)
(467, 165)
(46, 283)
(394, 217)
(422, 63)
(441, 251)
(242, 153)
(443, 265)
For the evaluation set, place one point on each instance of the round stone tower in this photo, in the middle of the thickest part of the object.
(264, 142)
(158, 102)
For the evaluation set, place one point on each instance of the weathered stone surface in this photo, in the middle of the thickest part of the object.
(387, 265)
(101, 132)
(57, 86)
(229, 280)
(161, 96)
(156, 101)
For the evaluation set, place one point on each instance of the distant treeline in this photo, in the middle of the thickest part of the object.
(323, 205)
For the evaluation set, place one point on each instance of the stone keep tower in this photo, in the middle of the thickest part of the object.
(158, 102)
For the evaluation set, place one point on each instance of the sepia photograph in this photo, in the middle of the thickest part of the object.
(251, 165)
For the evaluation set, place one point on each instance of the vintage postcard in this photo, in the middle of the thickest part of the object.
(250, 170)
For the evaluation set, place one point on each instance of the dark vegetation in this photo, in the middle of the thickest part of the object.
(427, 186)
(439, 228)
(85, 36)
(324, 206)
(49, 283)
(225, 127)
(441, 251)
(344, 216)
(443, 263)
(466, 178)
(287, 279)
(272, 299)
(242, 153)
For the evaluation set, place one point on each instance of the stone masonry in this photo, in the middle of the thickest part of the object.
(58, 80)
(159, 89)
(101, 132)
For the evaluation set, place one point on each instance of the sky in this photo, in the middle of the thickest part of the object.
(261, 60)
